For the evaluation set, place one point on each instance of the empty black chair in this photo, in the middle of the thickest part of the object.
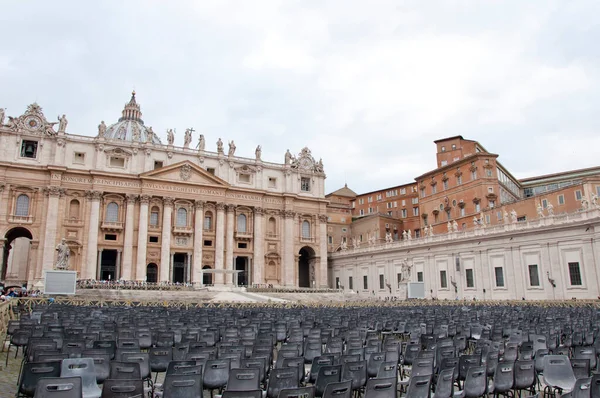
(475, 384)
(581, 367)
(184, 367)
(124, 371)
(419, 387)
(388, 369)
(381, 388)
(327, 374)
(504, 378)
(243, 380)
(281, 379)
(59, 387)
(582, 389)
(122, 388)
(296, 362)
(259, 363)
(108, 345)
(444, 387)
(324, 360)
(20, 338)
(183, 386)
(342, 389)
(357, 372)
(216, 373)
(34, 371)
(374, 362)
(159, 358)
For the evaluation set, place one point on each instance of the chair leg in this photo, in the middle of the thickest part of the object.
(7, 351)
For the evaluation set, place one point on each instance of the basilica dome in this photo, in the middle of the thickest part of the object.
(130, 126)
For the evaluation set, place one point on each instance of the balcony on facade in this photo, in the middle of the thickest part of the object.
(305, 239)
(272, 235)
(182, 230)
(112, 226)
(12, 218)
(72, 222)
(243, 235)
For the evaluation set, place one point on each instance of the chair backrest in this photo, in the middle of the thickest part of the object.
(59, 387)
(300, 392)
(419, 387)
(373, 363)
(342, 389)
(142, 358)
(317, 363)
(33, 371)
(216, 373)
(259, 363)
(595, 386)
(183, 386)
(295, 362)
(582, 388)
(504, 377)
(184, 367)
(160, 358)
(444, 387)
(524, 374)
(243, 379)
(84, 368)
(281, 379)
(125, 371)
(381, 388)
(327, 374)
(387, 369)
(122, 388)
(558, 372)
(476, 381)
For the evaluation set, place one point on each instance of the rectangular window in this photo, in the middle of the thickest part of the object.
(522, 219)
(244, 178)
(116, 161)
(488, 172)
(443, 163)
(305, 184)
(578, 195)
(415, 211)
(459, 180)
(423, 192)
(445, 184)
(462, 211)
(474, 175)
(365, 282)
(153, 239)
(499, 271)
(350, 284)
(29, 149)
(499, 215)
(492, 204)
(403, 191)
(404, 213)
(534, 277)
(403, 202)
(561, 199)
(330, 239)
(158, 164)
(545, 203)
(242, 245)
(415, 201)
(154, 218)
(210, 170)
(389, 213)
(208, 243)
(337, 282)
(361, 212)
(381, 282)
(207, 223)
(110, 237)
(477, 207)
(79, 157)
(273, 184)
(434, 189)
(443, 280)
(469, 277)
(399, 278)
(420, 276)
(575, 274)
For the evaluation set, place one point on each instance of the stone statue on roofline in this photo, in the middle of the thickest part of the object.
(101, 129)
(454, 226)
(201, 143)
(449, 226)
(62, 123)
(550, 209)
(258, 152)
(170, 137)
(540, 211)
(513, 216)
(219, 146)
(232, 149)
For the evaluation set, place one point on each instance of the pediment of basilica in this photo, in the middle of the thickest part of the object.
(186, 172)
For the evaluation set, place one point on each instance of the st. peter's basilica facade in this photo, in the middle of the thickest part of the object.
(132, 208)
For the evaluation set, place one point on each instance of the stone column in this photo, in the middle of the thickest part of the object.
(99, 265)
(258, 265)
(126, 270)
(165, 250)
(92, 243)
(172, 265)
(229, 243)
(219, 243)
(188, 268)
(198, 229)
(142, 243)
(322, 273)
(118, 268)
(54, 194)
(288, 248)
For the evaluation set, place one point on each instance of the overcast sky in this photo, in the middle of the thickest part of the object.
(366, 85)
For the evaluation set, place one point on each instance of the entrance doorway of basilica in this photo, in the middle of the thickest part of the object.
(242, 264)
(108, 265)
(15, 255)
(152, 273)
(207, 277)
(307, 255)
(180, 268)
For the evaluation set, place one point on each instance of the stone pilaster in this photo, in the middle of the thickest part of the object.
(92, 243)
(219, 243)
(322, 273)
(54, 193)
(258, 265)
(142, 244)
(127, 265)
(229, 243)
(165, 250)
(198, 229)
(288, 265)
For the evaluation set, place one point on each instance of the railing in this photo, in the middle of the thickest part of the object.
(113, 226)
(182, 230)
(132, 285)
(271, 235)
(73, 222)
(243, 235)
(20, 219)
(521, 226)
(6, 314)
(306, 239)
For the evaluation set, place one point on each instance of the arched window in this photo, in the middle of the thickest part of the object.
(181, 217)
(154, 212)
(22, 208)
(208, 221)
(112, 212)
(74, 209)
(305, 229)
(241, 223)
(272, 228)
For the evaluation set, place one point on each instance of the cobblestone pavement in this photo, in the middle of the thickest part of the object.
(10, 373)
